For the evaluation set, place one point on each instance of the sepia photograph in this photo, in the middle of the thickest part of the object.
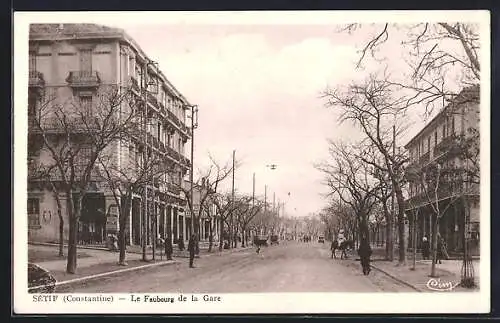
(251, 162)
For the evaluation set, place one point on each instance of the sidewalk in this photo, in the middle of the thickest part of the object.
(92, 263)
(447, 272)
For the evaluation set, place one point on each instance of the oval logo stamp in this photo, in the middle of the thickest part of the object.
(440, 286)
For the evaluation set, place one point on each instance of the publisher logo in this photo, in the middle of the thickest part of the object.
(441, 286)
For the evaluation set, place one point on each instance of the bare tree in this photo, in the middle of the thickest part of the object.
(435, 53)
(74, 134)
(126, 179)
(245, 212)
(225, 207)
(377, 110)
(350, 179)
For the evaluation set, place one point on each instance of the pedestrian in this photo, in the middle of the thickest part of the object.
(192, 250)
(168, 248)
(364, 252)
(440, 250)
(180, 243)
(426, 247)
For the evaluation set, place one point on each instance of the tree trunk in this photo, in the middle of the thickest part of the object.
(61, 220)
(143, 229)
(221, 233)
(210, 237)
(389, 234)
(74, 214)
(401, 224)
(415, 216)
(61, 224)
(243, 237)
(122, 242)
(435, 226)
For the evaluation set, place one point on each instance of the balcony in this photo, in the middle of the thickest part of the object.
(425, 158)
(134, 84)
(174, 189)
(153, 100)
(83, 79)
(173, 119)
(36, 81)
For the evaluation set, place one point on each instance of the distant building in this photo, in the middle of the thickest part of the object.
(427, 148)
(74, 62)
(209, 219)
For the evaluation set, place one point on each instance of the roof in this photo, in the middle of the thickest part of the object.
(93, 31)
(466, 95)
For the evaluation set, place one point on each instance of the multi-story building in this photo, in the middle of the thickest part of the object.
(433, 145)
(76, 61)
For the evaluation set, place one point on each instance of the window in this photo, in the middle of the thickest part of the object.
(33, 212)
(452, 124)
(435, 139)
(444, 132)
(429, 143)
(86, 61)
(158, 131)
(86, 104)
(32, 62)
(179, 145)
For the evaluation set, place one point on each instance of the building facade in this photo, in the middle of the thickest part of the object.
(458, 199)
(74, 63)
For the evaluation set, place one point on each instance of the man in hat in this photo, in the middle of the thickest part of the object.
(192, 250)
(426, 247)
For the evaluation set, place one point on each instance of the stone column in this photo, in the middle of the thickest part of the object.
(184, 229)
(176, 214)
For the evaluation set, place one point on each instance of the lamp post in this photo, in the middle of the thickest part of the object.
(145, 83)
(194, 125)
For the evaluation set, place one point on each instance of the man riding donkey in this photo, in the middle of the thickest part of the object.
(339, 243)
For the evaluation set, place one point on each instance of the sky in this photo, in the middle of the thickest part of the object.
(258, 87)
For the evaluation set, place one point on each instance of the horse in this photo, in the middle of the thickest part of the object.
(345, 245)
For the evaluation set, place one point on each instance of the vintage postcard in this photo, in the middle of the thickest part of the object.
(251, 162)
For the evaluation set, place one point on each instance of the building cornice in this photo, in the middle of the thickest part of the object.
(112, 34)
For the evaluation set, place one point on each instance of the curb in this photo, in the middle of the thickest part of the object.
(397, 279)
(109, 273)
(49, 244)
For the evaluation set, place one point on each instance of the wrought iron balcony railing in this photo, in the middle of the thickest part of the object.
(84, 79)
(36, 80)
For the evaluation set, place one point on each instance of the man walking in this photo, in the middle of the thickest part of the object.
(364, 252)
(192, 250)
(426, 248)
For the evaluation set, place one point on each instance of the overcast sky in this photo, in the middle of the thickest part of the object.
(258, 87)
(258, 90)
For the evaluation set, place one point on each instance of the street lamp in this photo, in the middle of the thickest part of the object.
(146, 83)
(194, 125)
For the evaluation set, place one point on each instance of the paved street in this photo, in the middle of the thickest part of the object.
(290, 267)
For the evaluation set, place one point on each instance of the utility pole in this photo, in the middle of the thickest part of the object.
(231, 233)
(194, 125)
(144, 217)
(265, 202)
(253, 190)
(393, 209)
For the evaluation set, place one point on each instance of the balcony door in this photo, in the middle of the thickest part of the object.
(86, 62)
(32, 62)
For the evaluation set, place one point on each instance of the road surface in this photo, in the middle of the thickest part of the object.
(289, 267)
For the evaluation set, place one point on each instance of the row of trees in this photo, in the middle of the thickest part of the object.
(74, 145)
(368, 178)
